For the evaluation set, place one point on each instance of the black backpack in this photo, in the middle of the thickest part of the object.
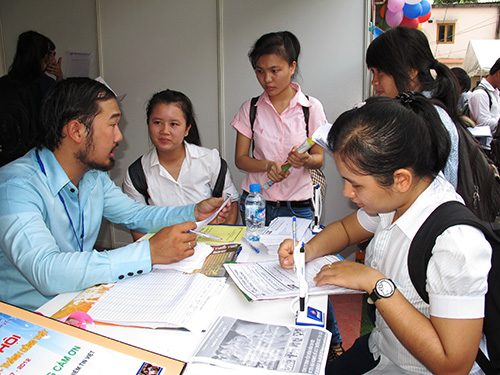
(478, 179)
(18, 126)
(139, 179)
(444, 216)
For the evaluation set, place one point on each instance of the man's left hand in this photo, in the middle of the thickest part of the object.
(208, 207)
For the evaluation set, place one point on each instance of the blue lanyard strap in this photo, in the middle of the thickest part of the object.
(80, 244)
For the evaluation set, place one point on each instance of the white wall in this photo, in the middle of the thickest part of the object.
(71, 25)
(200, 47)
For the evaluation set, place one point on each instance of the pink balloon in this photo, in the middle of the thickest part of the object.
(393, 19)
(395, 5)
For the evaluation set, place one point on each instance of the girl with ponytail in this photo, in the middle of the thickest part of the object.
(390, 153)
(400, 60)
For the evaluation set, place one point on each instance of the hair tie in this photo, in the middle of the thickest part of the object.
(434, 64)
(406, 98)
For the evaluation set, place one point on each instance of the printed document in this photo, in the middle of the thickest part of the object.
(268, 280)
(280, 228)
(161, 299)
(243, 345)
(35, 344)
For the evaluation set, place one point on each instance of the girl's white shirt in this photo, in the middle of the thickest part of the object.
(195, 182)
(456, 274)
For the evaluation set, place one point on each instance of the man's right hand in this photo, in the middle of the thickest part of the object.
(173, 244)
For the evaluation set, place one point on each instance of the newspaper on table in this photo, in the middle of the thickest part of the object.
(242, 345)
(268, 280)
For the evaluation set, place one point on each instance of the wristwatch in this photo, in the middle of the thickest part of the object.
(384, 288)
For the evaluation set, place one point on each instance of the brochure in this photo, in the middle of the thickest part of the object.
(242, 345)
(35, 344)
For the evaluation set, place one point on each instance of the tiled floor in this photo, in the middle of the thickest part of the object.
(347, 308)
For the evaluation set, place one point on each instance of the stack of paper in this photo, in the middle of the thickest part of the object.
(159, 299)
(280, 229)
(320, 136)
(268, 280)
(246, 347)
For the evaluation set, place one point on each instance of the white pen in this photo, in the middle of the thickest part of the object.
(301, 275)
(206, 235)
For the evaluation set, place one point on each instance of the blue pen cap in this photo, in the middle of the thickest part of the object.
(254, 188)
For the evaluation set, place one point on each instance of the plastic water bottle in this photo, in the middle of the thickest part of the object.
(255, 213)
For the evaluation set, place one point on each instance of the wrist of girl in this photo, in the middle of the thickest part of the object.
(311, 165)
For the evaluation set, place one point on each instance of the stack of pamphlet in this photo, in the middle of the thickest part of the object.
(249, 347)
(281, 228)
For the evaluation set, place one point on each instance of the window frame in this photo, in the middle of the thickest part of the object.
(446, 25)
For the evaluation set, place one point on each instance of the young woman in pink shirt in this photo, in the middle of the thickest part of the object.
(279, 128)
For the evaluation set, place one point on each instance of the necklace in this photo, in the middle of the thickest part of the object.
(80, 244)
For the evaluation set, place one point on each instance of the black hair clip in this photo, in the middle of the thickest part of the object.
(406, 98)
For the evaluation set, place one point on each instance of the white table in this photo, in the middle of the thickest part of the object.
(181, 344)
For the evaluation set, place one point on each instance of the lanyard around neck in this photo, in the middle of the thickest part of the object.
(80, 244)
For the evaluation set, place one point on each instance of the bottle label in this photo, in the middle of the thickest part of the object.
(260, 214)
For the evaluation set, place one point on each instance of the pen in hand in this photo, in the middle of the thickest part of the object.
(206, 235)
(302, 277)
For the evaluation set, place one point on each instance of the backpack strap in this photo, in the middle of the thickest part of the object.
(136, 173)
(482, 87)
(306, 116)
(252, 112)
(485, 364)
(446, 215)
(221, 179)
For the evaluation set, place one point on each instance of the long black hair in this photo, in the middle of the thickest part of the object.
(177, 97)
(386, 134)
(400, 50)
(32, 49)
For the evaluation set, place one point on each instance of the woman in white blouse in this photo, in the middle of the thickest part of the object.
(390, 153)
(177, 170)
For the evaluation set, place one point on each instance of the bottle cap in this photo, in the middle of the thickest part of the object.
(254, 188)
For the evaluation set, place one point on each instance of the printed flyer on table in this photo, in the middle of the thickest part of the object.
(27, 348)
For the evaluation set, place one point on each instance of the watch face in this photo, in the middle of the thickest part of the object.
(385, 288)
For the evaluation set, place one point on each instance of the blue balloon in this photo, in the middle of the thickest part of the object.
(426, 7)
(412, 10)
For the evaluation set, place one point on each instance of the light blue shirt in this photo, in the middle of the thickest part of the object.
(41, 256)
(451, 168)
